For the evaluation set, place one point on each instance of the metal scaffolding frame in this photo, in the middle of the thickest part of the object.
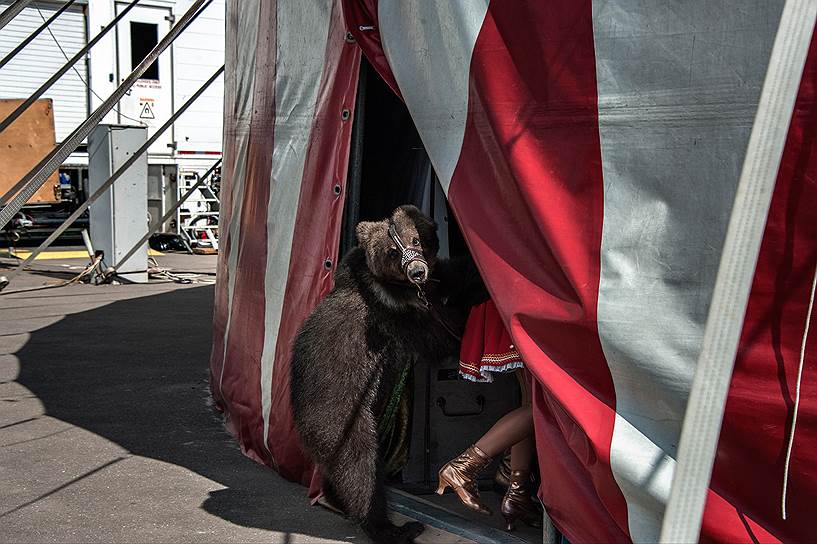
(36, 33)
(12, 11)
(4, 124)
(29, 185)
(110, 181)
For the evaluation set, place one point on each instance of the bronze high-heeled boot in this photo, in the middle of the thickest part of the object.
(461, 475)
(518, 504)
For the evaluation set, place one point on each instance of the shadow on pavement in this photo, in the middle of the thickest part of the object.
(135, 373)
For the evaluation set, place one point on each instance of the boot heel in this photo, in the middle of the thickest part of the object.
(517, 504)
(460, 474)
(442, 487)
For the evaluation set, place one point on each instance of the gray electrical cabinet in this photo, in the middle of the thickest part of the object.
(119, 218)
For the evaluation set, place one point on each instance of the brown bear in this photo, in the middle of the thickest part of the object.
(394, 304)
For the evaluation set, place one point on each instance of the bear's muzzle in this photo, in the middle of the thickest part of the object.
(417, 271)
(412, 260)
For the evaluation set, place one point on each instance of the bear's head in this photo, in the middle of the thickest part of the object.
(384, 257)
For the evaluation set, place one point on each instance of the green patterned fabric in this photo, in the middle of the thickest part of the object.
(392, 430)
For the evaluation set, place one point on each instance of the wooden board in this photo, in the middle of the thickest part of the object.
(24, 144)
(205, 251)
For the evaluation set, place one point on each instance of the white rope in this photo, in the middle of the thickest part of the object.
(710, 386)
(797, 396)
(93, 266)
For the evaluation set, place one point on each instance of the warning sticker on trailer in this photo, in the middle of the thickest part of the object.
(147, 111)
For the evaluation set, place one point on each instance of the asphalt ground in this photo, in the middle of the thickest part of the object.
(106, 432)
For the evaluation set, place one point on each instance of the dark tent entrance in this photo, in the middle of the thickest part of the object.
(440, 414)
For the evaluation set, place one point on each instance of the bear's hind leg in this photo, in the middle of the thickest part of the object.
(377, 525)
(356, 482)
(352, 483)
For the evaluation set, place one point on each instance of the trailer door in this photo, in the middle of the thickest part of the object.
(149, 101)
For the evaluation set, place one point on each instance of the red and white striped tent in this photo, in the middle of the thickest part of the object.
(591, 151)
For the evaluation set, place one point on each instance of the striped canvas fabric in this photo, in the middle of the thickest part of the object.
(591, 151)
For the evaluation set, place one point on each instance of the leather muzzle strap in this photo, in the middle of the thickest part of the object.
(408, 253)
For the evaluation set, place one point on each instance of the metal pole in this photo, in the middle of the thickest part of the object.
(153, 228)
(353, 181)
(12, 11)
(36, 33)
(89, 247)
(116, 175)
(37, 176)
(65, 67)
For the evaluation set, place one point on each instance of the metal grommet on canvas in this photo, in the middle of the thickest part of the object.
(327, 264)
(350, 38)
(344, 115)
(336, 189)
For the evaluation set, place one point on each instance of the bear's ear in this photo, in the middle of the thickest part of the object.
(425, 225)
(364, 231)
(427, 228)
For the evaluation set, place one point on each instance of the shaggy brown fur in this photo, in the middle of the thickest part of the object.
(351, 351)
